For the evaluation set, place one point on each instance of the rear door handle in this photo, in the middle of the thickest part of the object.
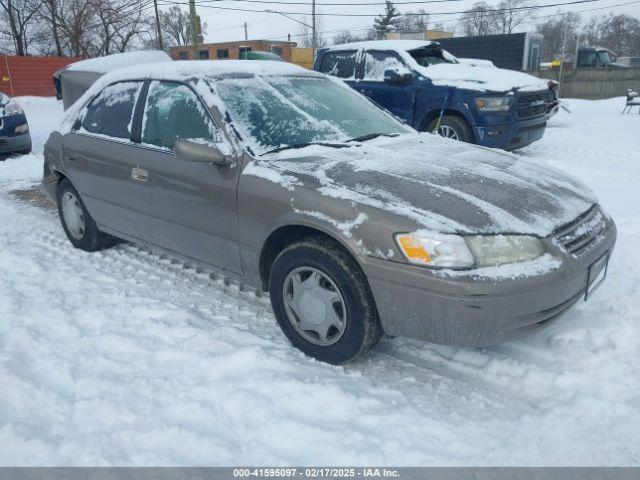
(139, 174)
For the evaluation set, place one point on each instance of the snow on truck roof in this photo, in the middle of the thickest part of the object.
(404, 45)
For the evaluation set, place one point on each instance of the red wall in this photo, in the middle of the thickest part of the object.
(30, 75)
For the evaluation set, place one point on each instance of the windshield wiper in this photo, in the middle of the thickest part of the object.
(302, 145)
(371, 136)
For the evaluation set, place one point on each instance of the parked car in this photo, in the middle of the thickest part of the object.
(14, 129)
(430, 90)
(259, 55)
(355, 223)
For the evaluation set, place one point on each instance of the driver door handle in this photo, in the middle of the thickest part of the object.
(139, 174)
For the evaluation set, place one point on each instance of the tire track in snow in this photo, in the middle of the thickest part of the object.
(144, 266)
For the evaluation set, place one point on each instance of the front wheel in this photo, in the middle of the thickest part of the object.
(77, 223)
(452, 127)
(322, 301)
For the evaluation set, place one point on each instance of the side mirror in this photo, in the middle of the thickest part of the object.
(190, 151)
(395, 75)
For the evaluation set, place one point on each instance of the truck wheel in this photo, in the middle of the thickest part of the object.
(80, 228)
(322, 301)
(452, 127)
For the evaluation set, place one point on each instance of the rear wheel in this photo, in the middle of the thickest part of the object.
(77, 223)
(452, 127)
(322, 301)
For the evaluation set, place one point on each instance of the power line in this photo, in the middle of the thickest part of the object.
(491, 11)
(539, 17)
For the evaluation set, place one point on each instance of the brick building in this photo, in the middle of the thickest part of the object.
(232, 50)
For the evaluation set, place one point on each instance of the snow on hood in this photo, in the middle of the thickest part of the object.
(119, 60)
(443, 185)
(484, 79)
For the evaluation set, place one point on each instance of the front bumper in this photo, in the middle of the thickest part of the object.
(470, 311)
(511, 136)
(10, 140)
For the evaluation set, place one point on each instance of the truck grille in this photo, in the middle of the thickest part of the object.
(532, 104)
(583, 233)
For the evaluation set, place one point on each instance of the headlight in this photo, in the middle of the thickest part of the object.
(494, 104)
(12, 108)
(454, 251)
(24, 128)
(435, 250)
(491, 250)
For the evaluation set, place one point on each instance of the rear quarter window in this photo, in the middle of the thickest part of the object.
(111, 112)
(339, 64)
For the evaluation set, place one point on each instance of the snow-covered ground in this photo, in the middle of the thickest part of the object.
(124, 357)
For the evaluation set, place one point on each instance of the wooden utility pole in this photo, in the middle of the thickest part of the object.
(194, 27)
(314, 37)
(160, 44)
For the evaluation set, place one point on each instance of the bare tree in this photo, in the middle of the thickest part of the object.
(509, 15)
(618, 33)
(18, 17)
(413, 22)
(175, 26)
(479, 20)
(553, 31)
(305, 34)
(344, 36)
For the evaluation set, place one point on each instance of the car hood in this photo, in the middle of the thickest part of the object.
(481, 78)
(440, 184)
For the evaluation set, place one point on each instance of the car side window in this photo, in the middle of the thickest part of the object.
(174, 111)
(110, 113)
(339, 64)
(375, 64)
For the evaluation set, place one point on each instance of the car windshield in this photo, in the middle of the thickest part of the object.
(280, 111)
(431, 56)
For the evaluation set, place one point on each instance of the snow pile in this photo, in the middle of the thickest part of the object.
(119, 60)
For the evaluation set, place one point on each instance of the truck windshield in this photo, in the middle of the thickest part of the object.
(279, 111)
(431, 56)
(604, 59)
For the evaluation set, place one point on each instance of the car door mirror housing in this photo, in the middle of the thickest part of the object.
(193, 151)
(397, 76)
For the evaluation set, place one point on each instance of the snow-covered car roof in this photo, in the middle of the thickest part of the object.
(181, 71)
(404, 45)
(119, 60)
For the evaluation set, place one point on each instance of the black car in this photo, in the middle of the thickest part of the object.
(14, 129)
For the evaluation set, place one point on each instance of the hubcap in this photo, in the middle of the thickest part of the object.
(314, 305)
(448, 132)
(73, 215)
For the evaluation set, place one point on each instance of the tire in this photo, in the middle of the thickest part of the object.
(353, 304)
(26, 151)
(452, 127)
(82, 232)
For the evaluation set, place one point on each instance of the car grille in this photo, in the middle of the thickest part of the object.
(582, 234)
(532, 104)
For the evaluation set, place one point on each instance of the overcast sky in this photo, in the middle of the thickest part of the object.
(224, 25)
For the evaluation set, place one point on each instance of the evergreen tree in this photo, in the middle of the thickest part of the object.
(388, 21)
